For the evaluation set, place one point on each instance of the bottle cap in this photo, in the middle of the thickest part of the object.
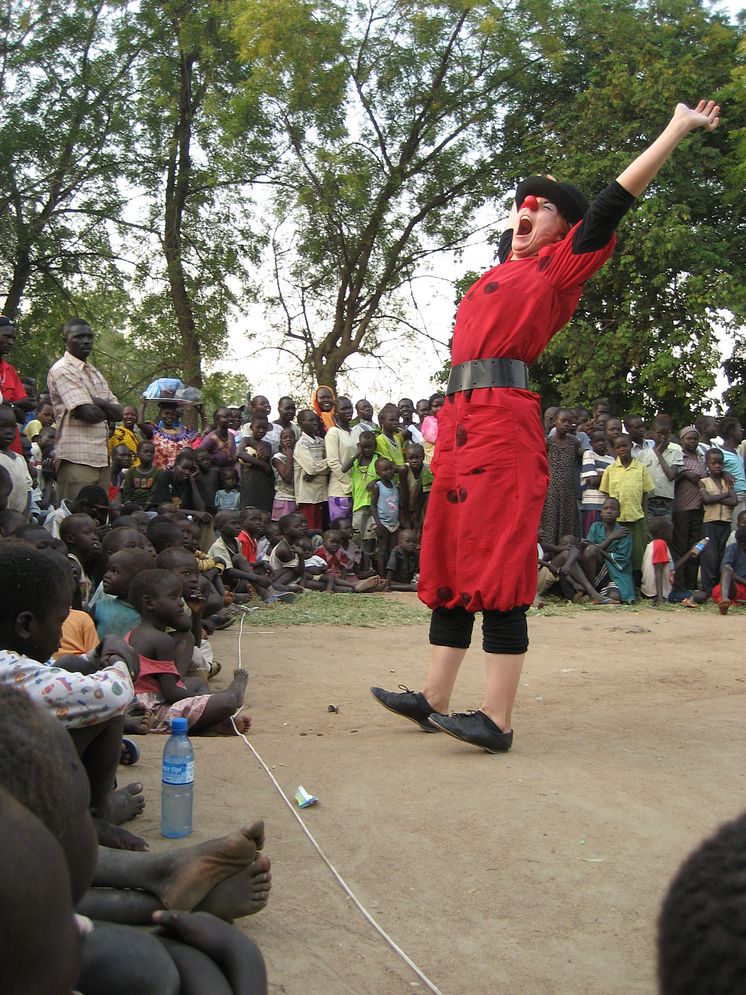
(179, 725)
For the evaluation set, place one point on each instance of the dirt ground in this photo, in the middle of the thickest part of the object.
(538, 871)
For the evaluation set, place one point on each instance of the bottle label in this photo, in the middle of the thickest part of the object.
(180, 772)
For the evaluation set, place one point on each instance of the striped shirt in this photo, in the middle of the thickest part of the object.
(73, 382)
(593, 466)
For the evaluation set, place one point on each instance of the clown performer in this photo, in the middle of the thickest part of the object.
(479, 540)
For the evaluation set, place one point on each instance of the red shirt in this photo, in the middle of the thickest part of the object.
(248, 546)
(12, 390)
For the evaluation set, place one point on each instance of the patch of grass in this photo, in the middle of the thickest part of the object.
(558, 606)
(317, 608)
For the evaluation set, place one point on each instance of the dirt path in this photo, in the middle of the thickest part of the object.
(540, 871)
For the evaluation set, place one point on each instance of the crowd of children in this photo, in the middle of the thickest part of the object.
(638, 510)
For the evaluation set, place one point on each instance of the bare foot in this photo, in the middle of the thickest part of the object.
(243, 723)
(139, 725)
(125, 804)
(242, 894)
(117, 838)
(237, 687)
(226, 728)
(723, 606)
(188, 874)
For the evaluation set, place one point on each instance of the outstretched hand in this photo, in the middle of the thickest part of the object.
(705, 115)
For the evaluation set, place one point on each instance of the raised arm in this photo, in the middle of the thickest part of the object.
(639, 173)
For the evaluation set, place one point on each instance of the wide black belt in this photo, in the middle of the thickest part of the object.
(487, 373)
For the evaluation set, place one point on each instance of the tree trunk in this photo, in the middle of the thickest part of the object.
(21, 274)
(177, 190)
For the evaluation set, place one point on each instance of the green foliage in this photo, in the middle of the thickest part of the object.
(387, 166)
(64, 127)
(224, 388)
(645, 333)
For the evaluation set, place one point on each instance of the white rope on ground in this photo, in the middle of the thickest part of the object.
(345, 887)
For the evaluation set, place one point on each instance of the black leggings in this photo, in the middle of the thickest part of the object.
(502, 632)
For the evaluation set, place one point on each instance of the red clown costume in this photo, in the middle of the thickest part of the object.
(479, 540)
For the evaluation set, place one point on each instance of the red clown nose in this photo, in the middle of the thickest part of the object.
(531, 203)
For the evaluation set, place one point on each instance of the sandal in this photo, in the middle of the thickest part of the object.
(130, 753)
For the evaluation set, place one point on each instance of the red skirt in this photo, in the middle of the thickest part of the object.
(481, 527)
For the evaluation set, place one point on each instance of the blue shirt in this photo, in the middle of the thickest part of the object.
(735, 556)
(114, 616)
(733, 464)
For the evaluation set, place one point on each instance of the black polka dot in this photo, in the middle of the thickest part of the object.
(452, 496)
(465, 597)
(543, 263)
(491, 287)
(460, 435)
(444, 593)
(457, 496)
(478, 469)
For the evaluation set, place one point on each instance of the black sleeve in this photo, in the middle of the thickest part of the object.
(503, 246)
(601, 218)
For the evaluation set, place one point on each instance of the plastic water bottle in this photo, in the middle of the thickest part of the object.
(178, 782)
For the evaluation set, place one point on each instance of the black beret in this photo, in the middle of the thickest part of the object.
(569, 201)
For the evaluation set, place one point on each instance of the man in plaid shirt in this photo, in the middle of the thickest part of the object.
(83, 404)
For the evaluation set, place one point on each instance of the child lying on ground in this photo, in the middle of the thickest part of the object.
(156, 595)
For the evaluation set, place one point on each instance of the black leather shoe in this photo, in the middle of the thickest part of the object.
(475, 728)
(409, 704)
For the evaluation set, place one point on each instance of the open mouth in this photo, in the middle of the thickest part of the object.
(525, 226)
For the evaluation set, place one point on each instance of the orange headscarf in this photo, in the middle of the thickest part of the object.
(327, 417)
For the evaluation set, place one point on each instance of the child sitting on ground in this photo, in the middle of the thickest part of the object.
(384, 506)
(183, 486)
(732, 587)
(228, 498)
(607, 554)
(79, 534)
(403, 567)
(415, 483)
(114, 615)
(20, 493)
(336, 576)
(156, 595)
(349, 547)
(567, 566)
(286, 559)
(658, 566)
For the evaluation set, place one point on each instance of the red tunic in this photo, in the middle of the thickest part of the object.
(480, 532)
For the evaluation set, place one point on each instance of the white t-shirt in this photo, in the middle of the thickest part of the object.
(655, 551)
